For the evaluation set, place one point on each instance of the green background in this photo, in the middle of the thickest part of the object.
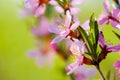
(15, 40)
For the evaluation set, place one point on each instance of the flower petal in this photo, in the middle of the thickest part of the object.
(68, 19)
(40, 10)
(101, 39)
(57, 39)
(117, 65)
(107, 6)
(86, 26)
(75, 25)
(74, 11)
(114, 24)
(114, 48)
(116, 13)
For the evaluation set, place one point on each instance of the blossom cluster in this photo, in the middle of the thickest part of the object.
(84, 42)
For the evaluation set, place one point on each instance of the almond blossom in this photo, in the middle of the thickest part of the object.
(64, 30)
(113, 18)
(77, 49)
(105, 47)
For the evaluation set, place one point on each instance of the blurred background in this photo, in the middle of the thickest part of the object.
(16, 40)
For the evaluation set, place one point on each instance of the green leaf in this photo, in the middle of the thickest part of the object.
(86, 38)
(94, 33)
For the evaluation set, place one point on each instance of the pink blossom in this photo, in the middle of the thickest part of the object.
(77, 49)
(64, 29)
(42, 28)
(44, 55)
(113, 18)
(71, 6)
(84, 73)
(105, 47)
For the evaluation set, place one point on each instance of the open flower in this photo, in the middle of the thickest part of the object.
(77, 49)
(65, 29)
(105, 47)
(113, 18)
(117, 66)
(70, 6)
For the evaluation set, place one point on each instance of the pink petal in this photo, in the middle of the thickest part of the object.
(76, 2)
(72, 67)
(74, 11)
(57, 39)
(86, 26)
(107, 6)
(116, 13)
(101, 39)
(75, 25)
(54, 29)
(68, 19)
(115, 24)
(59, 9)
(114, 48)
(40, 10)
(103, 20)
(117, 65)
(53, 2)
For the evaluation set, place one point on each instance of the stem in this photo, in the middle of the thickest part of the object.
(98, 68)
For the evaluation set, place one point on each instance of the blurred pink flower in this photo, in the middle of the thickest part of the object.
(42, 28)
(71, 6)
(35, 7)
(44, 55)
(113, 18)
(83, 73)
(117, 66)
(77, 49)
(65, 29)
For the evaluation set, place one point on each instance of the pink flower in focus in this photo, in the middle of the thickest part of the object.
(65, 29)
(77, 49)
(83, 73)
(42, 28)
(71, 6)
(113, 18)
(105, 47)
(117, 66)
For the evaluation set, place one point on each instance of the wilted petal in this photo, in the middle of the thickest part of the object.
(117, 65)
(68, 19)
(74, 11)
(114, 48)
(57, 39)
(40, 10)
(75, 25)
(114, 24)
